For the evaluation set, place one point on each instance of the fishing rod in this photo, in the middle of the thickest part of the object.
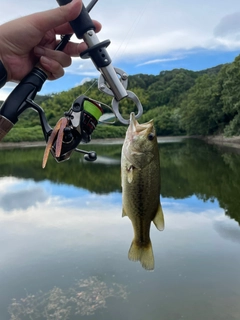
(82, 118)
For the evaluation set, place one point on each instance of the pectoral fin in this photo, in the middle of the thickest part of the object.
(159, 219)
(130, 174)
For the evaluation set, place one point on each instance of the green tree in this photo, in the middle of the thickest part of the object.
(201, 110)
(231, 97)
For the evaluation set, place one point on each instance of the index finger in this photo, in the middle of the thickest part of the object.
(66, 28)
(50, 19)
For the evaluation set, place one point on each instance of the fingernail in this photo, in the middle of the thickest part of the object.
(39, 51)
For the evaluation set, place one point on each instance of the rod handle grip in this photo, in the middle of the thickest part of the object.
(82, 23)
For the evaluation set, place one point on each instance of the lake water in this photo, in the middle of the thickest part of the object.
(64, 243)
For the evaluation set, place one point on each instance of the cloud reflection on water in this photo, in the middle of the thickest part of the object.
(73, 229)
(29, 205)
(22, 199)
(16, 194)
(228, 231)
(64, 206)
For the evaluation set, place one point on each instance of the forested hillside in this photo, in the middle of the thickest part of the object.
(180, 101)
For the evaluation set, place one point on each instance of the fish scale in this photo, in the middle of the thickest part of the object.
(140, 172)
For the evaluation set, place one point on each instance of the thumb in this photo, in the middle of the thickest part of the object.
(53, 18)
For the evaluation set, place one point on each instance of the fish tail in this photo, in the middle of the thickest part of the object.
(142, 253)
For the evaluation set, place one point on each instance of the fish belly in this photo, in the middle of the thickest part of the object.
(141, 196)
(141, 200)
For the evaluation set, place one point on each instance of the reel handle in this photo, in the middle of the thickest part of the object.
(88, 155)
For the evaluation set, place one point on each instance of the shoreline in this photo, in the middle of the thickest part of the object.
(224, 142)
(219, 140)
(107, 141)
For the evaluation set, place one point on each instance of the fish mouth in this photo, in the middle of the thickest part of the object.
(137, 127)
(133, 122)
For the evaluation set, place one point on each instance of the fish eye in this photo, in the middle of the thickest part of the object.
(151, 136)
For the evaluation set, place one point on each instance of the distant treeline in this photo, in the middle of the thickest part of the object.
(180, 102)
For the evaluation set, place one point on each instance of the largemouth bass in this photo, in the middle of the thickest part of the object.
(140, 175)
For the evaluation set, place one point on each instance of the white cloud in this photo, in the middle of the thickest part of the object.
(6, 90)
(84, 80)
(82, 68)
(164, 26)
(4, 94)
(158, 61)
(229, 25)
(147, 32)
(152, 27)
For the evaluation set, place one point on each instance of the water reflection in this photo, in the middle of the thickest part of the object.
(19, 194)
(26, 163)
(82, 299)
(227, 231)
(195, 168)
(187, 168)
(63, 225)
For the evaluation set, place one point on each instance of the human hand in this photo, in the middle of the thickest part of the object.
(31, 39)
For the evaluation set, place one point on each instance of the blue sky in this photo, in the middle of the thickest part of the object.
(149, 36)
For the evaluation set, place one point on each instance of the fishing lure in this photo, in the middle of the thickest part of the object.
(79, 122)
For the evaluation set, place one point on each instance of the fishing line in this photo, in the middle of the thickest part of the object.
(108, 107)
(130, 32)
(90, 87)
